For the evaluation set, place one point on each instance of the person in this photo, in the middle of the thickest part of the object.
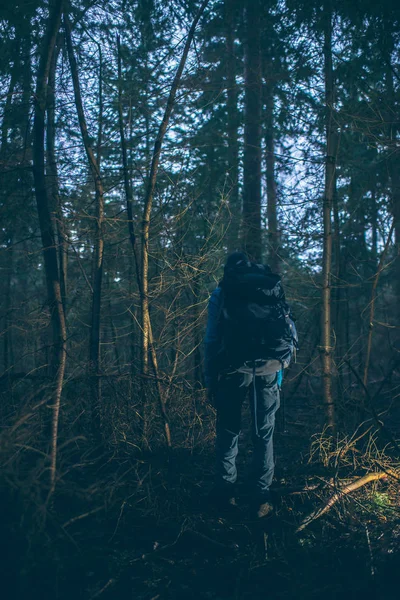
(228, 381)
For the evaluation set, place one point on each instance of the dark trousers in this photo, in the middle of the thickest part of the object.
(229, 400)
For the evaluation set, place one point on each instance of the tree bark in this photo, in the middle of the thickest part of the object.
(393, 160)
(26, 133)
(330, 169)
(46, 226)
(8, 357)
(232, 129)
(7, 113)
(52, 178)
(5, 126)
(95, 330)
(126, 170)
(394, 167)
(252, 132)
(197, 335)
(273, 232)
(395, 177)
(338, 302)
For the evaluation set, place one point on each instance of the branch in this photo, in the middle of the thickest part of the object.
(316, 514)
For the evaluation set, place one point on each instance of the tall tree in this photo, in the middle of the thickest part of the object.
(95, 329)
(330, 174)
(148, 202)
(232, 125)
(252, 132)
(273, 232)
(52, 176)
(46, 224)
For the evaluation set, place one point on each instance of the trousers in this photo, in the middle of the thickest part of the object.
(264, 402)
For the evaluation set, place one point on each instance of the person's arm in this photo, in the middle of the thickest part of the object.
(213, 339)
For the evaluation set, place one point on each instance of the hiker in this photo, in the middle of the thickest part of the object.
(250, 338)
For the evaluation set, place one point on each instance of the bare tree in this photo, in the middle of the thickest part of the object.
(52, 175)
(46, 225)
(95, 330)
(125, 167)
(148, 202)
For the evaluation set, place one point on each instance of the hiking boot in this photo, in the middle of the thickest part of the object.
(263, 505)
(264, 509)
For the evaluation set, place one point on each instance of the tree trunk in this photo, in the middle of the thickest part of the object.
(338, 300)
(252, 133)
(393, 160)
(232, 129)
(8, 357)
(26, 92)
(126, 170)
(5, 185)
(394, 167)
(52, 178)
(46, 225)
(330, 168)
(372, 303)
(197, 334)
(273, 233)
(7, 113)
(148, 202)
(374, 224)
(95, 330)
(395, 177)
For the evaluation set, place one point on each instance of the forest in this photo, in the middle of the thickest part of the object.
(142, 142)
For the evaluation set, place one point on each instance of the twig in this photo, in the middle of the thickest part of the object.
(79, 517)
(119, 519)
(371, 556)
(316, 514)
(103, 589)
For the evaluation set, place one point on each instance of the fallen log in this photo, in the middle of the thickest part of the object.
(347, 489)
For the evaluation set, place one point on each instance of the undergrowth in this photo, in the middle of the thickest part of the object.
(132, 519)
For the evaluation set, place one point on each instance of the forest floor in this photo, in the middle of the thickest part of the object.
(140, 526)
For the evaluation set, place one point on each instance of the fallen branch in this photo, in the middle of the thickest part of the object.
(316, 514)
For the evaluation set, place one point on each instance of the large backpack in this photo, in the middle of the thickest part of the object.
(256, 321)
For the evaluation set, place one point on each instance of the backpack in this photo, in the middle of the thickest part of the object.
(256, 323)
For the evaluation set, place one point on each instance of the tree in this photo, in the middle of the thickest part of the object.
(94, 165)
(43, 200)
(252, 133)
(330, 174)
